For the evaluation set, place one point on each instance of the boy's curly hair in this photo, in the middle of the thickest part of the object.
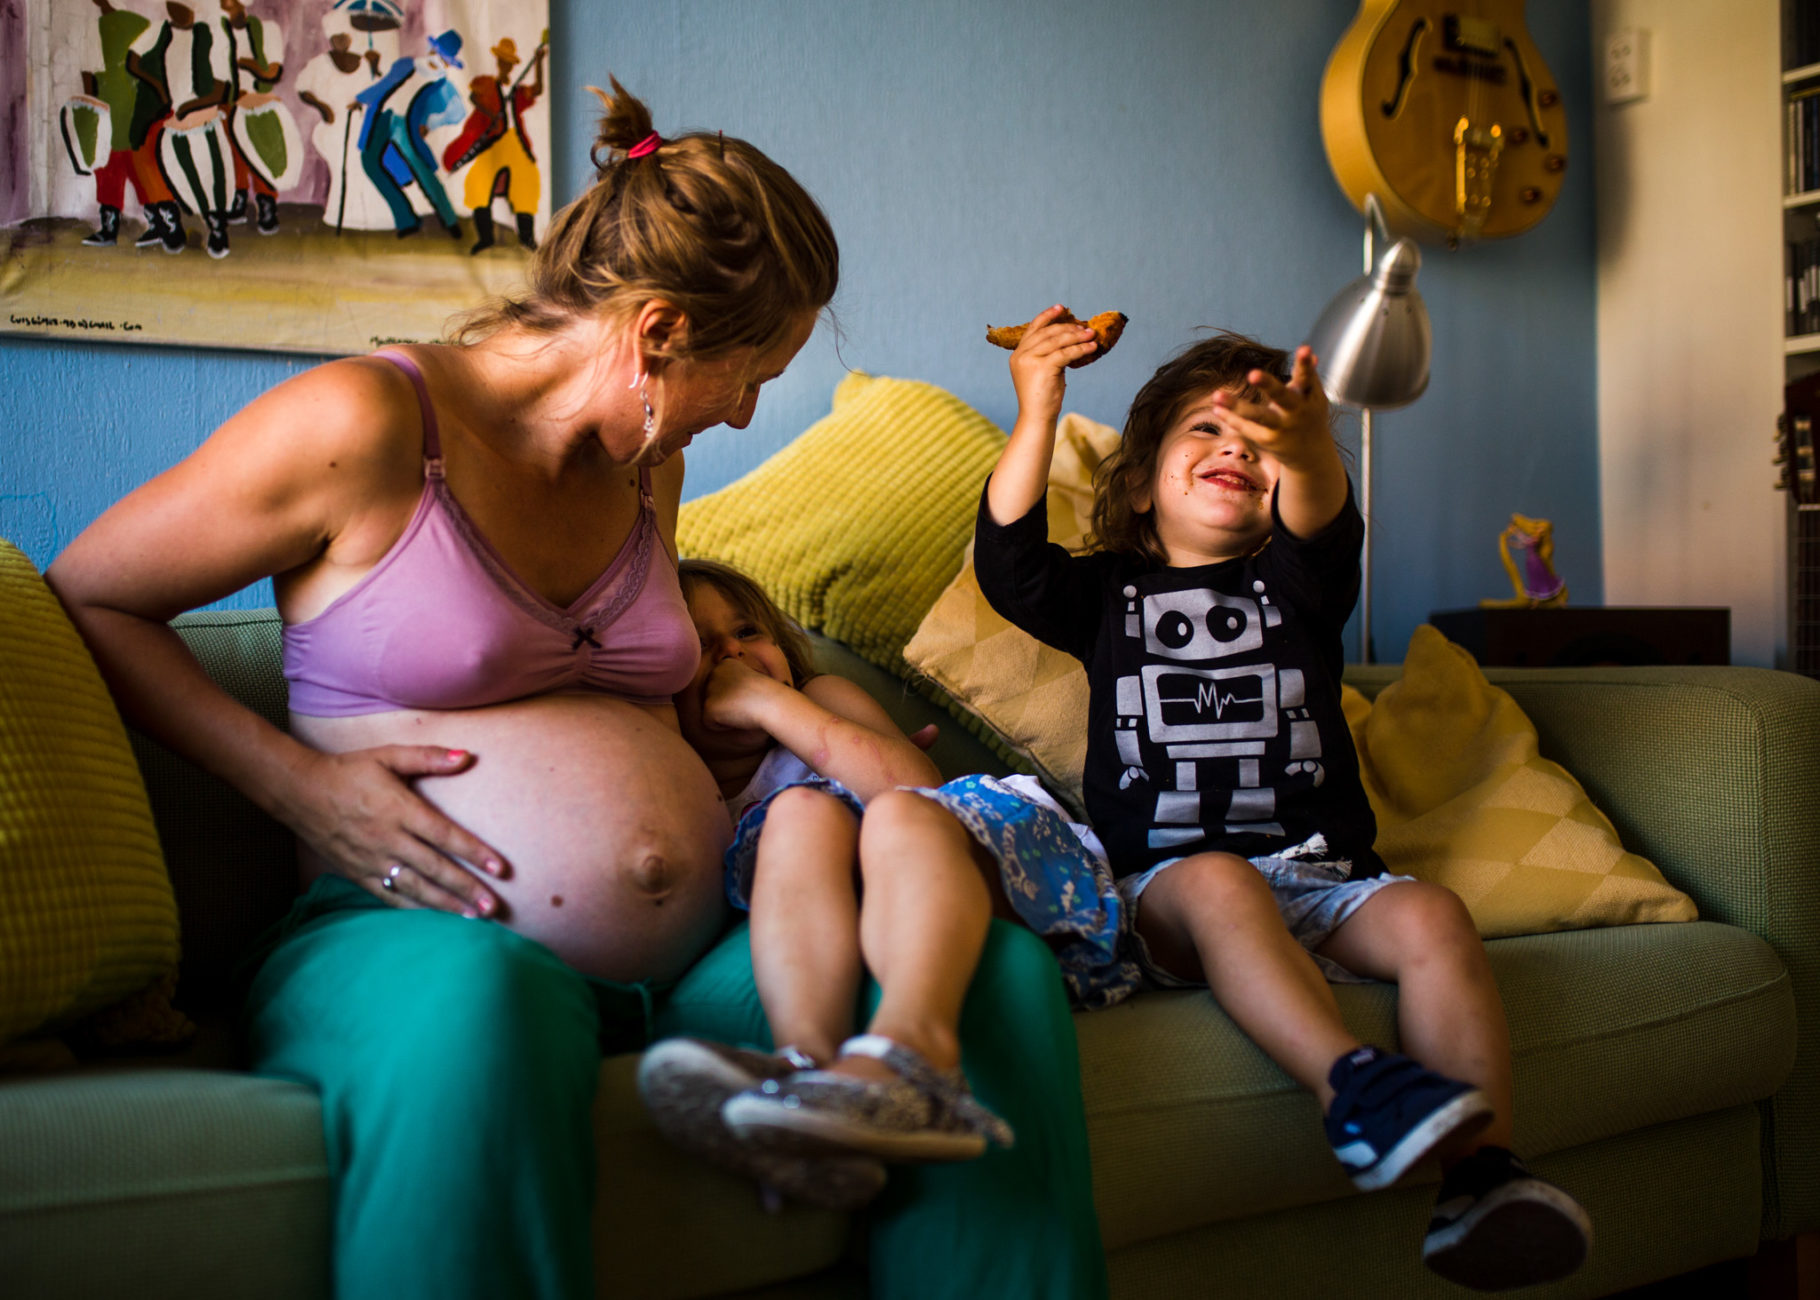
(1221, 361)
(751, 600)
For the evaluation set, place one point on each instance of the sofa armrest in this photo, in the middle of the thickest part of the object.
(1713, 774)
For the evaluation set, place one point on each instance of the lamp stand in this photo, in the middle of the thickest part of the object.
(1365, 655)
(1374, 219)
(1374, 342)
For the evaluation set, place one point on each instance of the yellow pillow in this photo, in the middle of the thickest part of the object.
(86, 911)
(1033, 696)
(1463, 799)
(855, 526)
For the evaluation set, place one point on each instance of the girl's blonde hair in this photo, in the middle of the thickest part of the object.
(751, 600)
(1221, 361)
(704, 222)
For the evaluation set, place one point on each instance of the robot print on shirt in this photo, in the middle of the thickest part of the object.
(1215, 723)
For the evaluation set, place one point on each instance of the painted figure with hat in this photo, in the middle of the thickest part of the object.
(496, 141)
(401, 107)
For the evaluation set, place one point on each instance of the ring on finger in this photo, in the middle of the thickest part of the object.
(389, 881)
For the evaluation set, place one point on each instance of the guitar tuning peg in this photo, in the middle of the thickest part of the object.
(1780, 458)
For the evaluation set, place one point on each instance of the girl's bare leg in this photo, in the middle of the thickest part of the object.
(1449, 1014)
(805, 920)
(1212, 917)
(922, 925)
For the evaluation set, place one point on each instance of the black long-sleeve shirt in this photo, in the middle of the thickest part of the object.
(1213, 717)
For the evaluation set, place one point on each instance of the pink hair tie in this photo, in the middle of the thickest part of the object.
(649, 144)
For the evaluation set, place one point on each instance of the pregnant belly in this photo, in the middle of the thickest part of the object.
(611, 826)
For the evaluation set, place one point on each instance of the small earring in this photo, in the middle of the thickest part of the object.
(650, 416)
(638, 381)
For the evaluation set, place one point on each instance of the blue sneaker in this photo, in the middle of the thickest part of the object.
(1388, 1112)
(1497, 1226)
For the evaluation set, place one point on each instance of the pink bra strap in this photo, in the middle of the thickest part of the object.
(432, 436)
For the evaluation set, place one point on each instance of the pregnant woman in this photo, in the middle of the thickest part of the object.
(472, 549)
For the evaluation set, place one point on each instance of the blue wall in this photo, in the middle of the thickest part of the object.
(978, 163)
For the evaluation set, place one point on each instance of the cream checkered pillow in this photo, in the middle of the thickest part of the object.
(1464, 799)
(1034, 697)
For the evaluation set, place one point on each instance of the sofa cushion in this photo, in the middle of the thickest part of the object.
(1465, 799)
(855, 527)
(87, 916)
(647, 1187)
(1664, 1201)
(1611, 1030)
(197, 1183)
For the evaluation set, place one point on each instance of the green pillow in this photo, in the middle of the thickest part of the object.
(858, 524)
(87, 916)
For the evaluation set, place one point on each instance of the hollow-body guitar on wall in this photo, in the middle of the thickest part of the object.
(1447, 113)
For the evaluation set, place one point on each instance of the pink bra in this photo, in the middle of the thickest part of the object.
(442, 622)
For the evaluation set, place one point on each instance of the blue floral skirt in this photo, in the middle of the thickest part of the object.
(1053, 871)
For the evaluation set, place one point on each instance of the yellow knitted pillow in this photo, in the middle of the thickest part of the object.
(1464, 799)
(1033, 696)
(86, 911)
(855, 526)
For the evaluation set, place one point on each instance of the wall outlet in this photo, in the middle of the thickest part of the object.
(1626, 65)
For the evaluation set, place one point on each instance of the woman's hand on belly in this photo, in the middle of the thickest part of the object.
(613, 827)
(358, 813)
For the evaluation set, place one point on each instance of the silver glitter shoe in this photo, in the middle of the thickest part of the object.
(924, 1114)
(686, 1081)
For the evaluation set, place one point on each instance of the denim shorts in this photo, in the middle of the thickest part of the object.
(1314, 893)
(1053, 871)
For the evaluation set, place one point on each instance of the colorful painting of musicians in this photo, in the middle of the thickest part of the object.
(333, 129)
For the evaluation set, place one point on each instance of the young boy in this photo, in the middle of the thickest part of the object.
(1221, 776)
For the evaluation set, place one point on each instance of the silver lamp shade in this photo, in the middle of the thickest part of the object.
(1373, 341)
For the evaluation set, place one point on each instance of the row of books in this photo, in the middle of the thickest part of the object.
(1804, 140)
(1802, 288)
(1800, 33)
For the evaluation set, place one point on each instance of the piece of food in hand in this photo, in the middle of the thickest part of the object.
(1106, 327)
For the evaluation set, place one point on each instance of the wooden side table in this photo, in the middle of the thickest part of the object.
(1596, 634)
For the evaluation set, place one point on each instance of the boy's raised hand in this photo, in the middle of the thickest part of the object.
(1290, 421)
(1038, 361)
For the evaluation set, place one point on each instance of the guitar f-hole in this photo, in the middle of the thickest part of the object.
(1406, 69)
(1528, 91)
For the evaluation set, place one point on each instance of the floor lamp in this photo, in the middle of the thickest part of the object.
(1373, 343)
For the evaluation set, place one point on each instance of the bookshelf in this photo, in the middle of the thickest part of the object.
(1798, 475)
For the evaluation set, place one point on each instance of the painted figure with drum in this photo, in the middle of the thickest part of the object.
(111, 133)
(268, 151)
(181, 62)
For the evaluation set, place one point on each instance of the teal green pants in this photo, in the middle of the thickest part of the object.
(457, 1065)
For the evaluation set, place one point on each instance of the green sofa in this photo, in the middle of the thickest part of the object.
(1669, 1075)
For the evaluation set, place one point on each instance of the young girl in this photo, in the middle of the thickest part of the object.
(1222, 778)
(819, 778)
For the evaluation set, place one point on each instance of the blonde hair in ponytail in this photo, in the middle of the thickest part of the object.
(705, 222)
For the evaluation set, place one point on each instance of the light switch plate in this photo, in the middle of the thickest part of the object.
(1626, 65)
